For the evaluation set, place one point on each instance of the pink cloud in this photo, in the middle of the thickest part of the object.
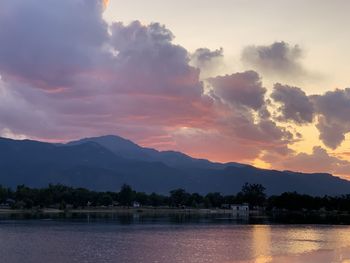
(317, 161)
(67, 74)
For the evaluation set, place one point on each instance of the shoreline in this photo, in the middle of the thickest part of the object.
(184, 215)
(119, 210)
(170, 210)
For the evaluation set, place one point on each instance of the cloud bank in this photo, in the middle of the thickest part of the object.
(317, 161)
(66, 73)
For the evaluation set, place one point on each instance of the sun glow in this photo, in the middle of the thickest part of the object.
(105, 3)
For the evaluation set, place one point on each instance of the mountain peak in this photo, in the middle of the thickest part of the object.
(128, 149)
(118, 145)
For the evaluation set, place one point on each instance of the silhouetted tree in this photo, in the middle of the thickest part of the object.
(126, 195)
(142, 198)
(63, 205)
(215, 199)
(158, 200)
(61, 196)
(105, 199)
(4, 193)
(195, 200)
(254, 194)
(179, 197)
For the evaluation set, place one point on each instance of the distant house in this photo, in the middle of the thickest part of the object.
(240, 209)
(3, 205)
(136, 204)
(225, 206)
(8, 203)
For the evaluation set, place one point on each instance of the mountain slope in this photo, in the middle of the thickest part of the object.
(105, 163)
(130, 150)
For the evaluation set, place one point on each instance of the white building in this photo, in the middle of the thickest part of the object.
(240, 209)
(136, 205)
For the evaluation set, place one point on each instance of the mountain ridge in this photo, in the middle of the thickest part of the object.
(149, 154)
(107, 162)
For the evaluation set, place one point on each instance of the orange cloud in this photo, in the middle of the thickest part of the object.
(105, 3)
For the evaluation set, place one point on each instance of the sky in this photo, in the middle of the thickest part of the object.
(258, 82)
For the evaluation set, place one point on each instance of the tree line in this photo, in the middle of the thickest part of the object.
(63, 197)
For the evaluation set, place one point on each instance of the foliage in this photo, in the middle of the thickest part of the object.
(253, 194)
(126, 195)
(64, 197)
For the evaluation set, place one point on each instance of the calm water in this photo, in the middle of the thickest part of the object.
(163, 239)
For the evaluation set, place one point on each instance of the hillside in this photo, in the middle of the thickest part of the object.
(105, 163)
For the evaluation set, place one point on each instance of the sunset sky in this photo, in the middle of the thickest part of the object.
(259, 82)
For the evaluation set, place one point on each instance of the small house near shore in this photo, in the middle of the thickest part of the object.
(136, 204)
(8, 203)
(240, 209)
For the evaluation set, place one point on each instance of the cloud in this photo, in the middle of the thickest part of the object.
(333, 109)
(85, 77)
(17, 114)
(295, 104)
(91, 78)
(203, 56)
(71, 74)
(330, 110)
(244, 89)
(278, 59)
(210, 62)
(246, 117)
(47, 43)
(318, 161)
(159, 66)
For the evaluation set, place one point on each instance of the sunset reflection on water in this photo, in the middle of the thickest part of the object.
(299, 244)
(173, 243)
(261, 243)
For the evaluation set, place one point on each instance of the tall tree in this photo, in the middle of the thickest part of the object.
(254, 194)
(126, 195)
(179, 197)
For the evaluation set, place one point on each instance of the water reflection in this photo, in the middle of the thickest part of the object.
(261, 243)
(92, 237)
(304, 239)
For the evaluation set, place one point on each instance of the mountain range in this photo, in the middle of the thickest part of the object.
(107, 162)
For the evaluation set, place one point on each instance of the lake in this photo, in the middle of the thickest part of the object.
(135, 238)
